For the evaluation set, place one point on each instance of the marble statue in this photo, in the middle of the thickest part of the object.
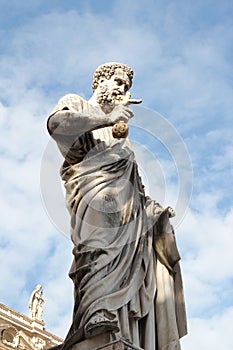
(36, 303)
(125, 267)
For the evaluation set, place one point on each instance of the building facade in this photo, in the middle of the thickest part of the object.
(21, 332)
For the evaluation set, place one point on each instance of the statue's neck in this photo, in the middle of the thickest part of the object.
(106, 107)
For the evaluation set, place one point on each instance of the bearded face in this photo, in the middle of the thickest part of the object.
(107, 95)
(110, 90)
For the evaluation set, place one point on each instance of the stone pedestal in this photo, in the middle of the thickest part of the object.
(105, 341)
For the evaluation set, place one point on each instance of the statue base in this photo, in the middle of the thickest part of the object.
(105, 341)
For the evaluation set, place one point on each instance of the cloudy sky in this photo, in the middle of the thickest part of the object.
(181, 52)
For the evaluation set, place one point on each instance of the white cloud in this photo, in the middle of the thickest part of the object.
(205, 239)
(210, 333)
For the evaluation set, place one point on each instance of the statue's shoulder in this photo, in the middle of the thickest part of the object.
(70, 99)
(72, 102)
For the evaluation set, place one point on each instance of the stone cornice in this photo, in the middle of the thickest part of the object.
(32, 327)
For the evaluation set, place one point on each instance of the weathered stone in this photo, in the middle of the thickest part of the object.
(126, 267)
(104, 342)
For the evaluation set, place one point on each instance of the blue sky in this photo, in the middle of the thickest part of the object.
(181, 53)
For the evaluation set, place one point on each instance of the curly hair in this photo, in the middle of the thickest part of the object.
(108, 69)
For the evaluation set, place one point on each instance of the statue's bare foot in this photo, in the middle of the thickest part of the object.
(100, 323)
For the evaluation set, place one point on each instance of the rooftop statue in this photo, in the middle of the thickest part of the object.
(36, 303)
(125, 269)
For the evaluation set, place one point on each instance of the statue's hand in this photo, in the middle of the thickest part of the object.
(120, 116)
(121, 112)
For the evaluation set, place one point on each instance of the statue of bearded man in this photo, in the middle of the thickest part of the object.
(126, 265)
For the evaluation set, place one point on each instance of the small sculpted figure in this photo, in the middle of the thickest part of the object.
(126, 265)
(36, 303)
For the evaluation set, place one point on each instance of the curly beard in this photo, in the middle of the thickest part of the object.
(106, 96)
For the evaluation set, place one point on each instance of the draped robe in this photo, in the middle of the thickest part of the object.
(125, 255)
